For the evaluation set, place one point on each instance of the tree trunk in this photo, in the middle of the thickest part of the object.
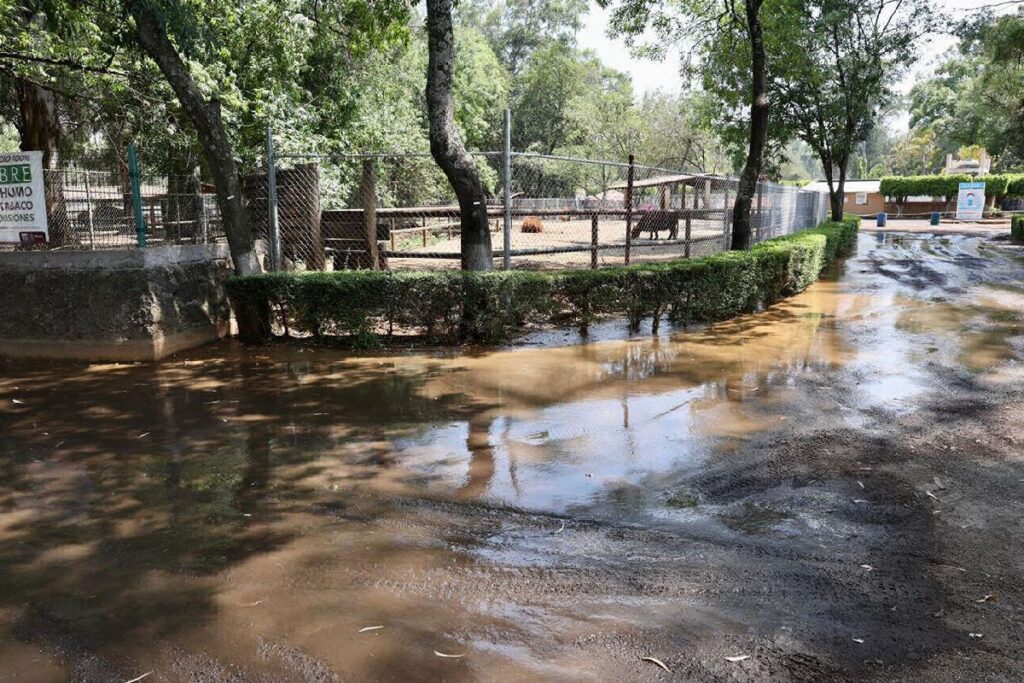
(253, 319)
(838, 193)
(836, 190)
(446, 144)
(39, 126)
(205, 117)
(759, 109)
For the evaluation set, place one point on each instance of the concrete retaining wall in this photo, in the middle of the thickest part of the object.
(112, 305)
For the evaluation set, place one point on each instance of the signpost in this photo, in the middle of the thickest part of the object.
(970, 202)
(22, 198)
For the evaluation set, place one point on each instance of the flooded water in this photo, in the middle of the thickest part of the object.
(249, 514)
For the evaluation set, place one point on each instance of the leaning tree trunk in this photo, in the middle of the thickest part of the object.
(759, 109)
(253, 322)
(39, 125)
(446, 144)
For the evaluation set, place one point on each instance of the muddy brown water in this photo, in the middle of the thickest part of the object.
(555, 510)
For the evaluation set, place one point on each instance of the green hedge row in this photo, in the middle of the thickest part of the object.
(457, 306)
(999, 185)
(1017, 229)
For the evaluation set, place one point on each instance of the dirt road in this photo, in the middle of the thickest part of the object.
(832, 489)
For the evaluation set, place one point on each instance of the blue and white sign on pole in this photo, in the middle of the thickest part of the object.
(22, 199)
(970, 202)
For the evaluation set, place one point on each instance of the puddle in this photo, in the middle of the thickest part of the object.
(243, 503)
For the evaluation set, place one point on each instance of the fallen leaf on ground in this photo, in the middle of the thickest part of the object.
(737, 658)
(251, 604)
(139, 678)
(142, 435)
(976, 635)
(989, 598)
(17, 402)
(939, 613)
(858, 640)
(655, 660)
(859, 500)
(448, 656)
(371, 628)
(867, 566)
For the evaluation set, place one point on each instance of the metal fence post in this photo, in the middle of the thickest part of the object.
(629, 208)
(760, 219)
(726, 232)
(136, 184)
(273, 230)
(507, 182)
(89, 212)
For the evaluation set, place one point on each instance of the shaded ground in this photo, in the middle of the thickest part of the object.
(831, 488)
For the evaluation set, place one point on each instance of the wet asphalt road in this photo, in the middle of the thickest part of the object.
(827, 490)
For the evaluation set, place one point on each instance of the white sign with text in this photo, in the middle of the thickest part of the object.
(970, 202)
(22, 198)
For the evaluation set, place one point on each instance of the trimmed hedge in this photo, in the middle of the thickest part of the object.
(999, 185)
(1017, 229)
(457, 306)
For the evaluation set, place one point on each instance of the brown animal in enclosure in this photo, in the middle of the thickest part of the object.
(654, 222)
(532, 224)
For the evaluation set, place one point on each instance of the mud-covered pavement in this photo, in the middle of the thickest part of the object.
(829, 490)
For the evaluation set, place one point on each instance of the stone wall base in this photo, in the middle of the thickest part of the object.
(139, 305)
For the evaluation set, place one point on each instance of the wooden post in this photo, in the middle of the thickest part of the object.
(593, 242)
(392, 239)
(152, 216)
(424, 237)
(368, 190)
(629, 208)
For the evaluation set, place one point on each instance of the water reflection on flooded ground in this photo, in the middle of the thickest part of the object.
(240, 514)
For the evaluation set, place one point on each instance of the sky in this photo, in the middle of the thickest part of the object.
(649, 76)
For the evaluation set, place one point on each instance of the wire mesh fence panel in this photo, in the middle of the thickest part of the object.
(364, 211)
(90, 204)
(398, 212)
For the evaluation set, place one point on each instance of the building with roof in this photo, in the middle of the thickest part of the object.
(861, 197)
(865, 198)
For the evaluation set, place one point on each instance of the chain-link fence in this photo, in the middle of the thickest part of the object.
(397, 211)
(108, 202)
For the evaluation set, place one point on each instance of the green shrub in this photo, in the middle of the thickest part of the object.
(455, 306)
(996, 185)
(1017, 229)
(1015, 185)
(923, 185)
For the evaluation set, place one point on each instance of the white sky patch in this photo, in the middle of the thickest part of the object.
(647, 75)
(650, 76)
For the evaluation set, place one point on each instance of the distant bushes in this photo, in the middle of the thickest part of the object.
(456, 306)
(1017, 229)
